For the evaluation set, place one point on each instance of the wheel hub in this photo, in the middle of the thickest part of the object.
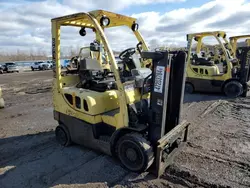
(131, 154)
(233, 89)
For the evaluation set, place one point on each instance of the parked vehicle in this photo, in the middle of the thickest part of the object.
(231, 76)
(133, 115)
(10, 67)
(50, 64)
(1, 69)
(54, 66)
(234, 43)
(40, 65)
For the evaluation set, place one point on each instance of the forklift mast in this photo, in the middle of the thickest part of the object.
(244, 64)
(166, 132)
(167, 90)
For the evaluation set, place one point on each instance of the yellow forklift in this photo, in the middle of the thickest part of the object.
(2, 105)
(234, 42)
(133, 117)
(204, 75)
(247, 42)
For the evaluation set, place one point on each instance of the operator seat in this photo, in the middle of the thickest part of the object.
(88, 70)
(132, 63)
(72, 68)
(213, 69)
(199, 60)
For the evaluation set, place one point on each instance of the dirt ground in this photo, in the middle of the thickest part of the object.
(217, 153)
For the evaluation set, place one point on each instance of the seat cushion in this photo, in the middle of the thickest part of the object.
(202, 61)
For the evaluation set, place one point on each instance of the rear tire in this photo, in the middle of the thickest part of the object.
(189, 88)
(135, 152)
(62, 135)
(32, 69)
(233, 89)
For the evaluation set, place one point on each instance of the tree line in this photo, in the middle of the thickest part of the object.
(32, 55)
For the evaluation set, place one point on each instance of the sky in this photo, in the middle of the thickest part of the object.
(25, 25)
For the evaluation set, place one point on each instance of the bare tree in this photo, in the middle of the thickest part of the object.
(22, 56)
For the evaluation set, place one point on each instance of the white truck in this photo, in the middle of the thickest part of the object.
(40, 65)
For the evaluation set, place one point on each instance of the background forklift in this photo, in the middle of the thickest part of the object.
(248, 42)
(136, 117)
(204, 75)
(234, 43)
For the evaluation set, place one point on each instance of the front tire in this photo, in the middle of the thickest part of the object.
(62, 135)
(189, 88)
(135, 152)
(233, 89)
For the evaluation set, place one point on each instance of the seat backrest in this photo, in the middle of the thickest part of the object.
(199, 55)
(136, 61)
(89, 64)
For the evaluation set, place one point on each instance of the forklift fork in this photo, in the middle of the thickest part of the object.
(168, 146)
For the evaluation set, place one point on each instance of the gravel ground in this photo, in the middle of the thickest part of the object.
(217, 153)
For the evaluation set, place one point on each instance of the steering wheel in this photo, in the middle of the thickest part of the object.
(126, 54)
